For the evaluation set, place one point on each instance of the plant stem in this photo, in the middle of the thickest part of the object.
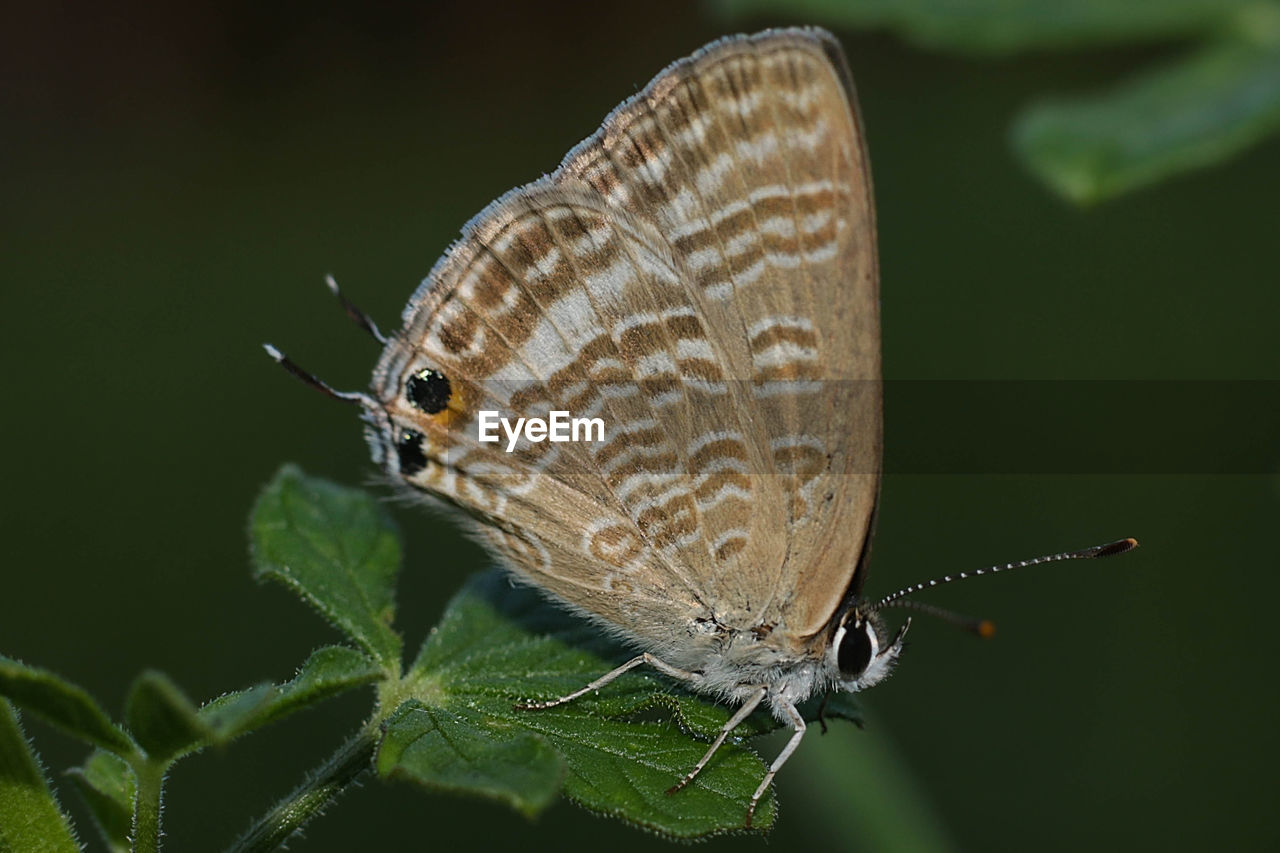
(147, 804)
(323, 785)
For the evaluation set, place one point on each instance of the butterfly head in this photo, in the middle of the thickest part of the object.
(862, 653)
(397, 447)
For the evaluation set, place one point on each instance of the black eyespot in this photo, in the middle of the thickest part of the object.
(409, 451)
(854, 653)
(428, 390)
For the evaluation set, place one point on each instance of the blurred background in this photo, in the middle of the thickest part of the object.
(175, 181)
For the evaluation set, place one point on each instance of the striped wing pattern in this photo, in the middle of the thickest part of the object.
(701, 275)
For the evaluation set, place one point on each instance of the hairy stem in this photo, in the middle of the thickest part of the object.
(322, 786)
(147, 804)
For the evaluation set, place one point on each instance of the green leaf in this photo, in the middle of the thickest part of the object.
(30, 819)
(233, 714)
(162, 719)
(108, 786)
(440, 749)
(621, 748)
(1183, 116)
(987, 27)
(336, 548)
(327, 672)
(62, 704)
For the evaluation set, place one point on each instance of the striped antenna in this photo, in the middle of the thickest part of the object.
(361, 319)
(896, 600)
(310, 379)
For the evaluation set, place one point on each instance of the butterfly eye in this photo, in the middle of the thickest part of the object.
(409, 452)
(856, 649)
(428, 390)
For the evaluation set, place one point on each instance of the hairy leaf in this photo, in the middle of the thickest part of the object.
(337, 549)
(617, 750)
(162, 719)
(30, 819)
(108, 786)
(62, 704)
(439, 748)
(327, 672)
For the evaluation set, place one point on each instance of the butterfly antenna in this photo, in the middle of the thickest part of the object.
(1108, 550)
(361, 319)
(310, 379)
(984, 628)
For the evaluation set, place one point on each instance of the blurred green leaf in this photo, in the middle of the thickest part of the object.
(1183, 116)
(1190, 114)
(30, 819)
(856, 793)
(337, 549)
(162, 719)
(60, 703)
(108, 786)
(233, 714)
(327, 672)
(1006, 26)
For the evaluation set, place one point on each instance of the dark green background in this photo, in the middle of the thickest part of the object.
(175, 185)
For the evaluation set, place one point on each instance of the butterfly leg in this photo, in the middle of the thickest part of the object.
(639, 660)
(742, 713)
(797, 723)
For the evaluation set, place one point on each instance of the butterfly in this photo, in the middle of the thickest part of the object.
(700, 276)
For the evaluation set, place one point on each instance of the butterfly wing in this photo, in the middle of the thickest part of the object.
(701, 275)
